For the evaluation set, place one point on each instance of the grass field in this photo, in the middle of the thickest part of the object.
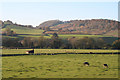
(79, 36)
(22, 51)
(38, 34)
(60, 66)
(23, 30)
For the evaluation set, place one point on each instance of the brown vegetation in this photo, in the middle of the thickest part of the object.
(94, 26)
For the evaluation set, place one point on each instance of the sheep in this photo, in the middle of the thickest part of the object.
(86, 64)
(105, 65)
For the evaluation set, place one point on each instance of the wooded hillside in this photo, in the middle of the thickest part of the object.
(94, 26)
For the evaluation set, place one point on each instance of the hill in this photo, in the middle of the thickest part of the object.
(94, 27)
(49, 23)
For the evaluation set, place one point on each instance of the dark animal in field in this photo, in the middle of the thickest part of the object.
(30, 52)
(105, 65)
(86, 64)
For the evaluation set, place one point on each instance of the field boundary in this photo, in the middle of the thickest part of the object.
(60, 78)
(3, 55)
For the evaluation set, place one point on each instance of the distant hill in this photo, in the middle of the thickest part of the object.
(94, 26)
(8, 22)
(49, 24)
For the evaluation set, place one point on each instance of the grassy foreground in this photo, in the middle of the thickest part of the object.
(22, 51)
(60, 66)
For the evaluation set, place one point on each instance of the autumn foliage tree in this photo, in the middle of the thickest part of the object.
(116, 44)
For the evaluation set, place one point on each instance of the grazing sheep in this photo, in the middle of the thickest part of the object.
(86, 64)
(105, 65)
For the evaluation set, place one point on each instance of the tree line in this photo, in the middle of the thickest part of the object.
(59, 43)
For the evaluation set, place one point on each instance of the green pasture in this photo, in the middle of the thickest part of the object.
(80, 35)
(22, 51)
(60, 35)
(23, 30)
(60, 66)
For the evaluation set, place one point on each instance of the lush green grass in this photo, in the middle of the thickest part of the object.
(60, 66)
(22, 51)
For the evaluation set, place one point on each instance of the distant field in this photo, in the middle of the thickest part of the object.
(80, 36)
(23, 30)
(38, 34)
(22, 51)
(60, 66)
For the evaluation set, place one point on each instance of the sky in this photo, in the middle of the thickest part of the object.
(34, 13)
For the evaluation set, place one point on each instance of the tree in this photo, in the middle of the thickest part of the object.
(65, 44)
(55, 41)
(41, 42)
(27, 42)
(55, 35)
(73, 42)
(11, 42)
(85, 43)
(116, 44)
(100, 43)
(9, 32)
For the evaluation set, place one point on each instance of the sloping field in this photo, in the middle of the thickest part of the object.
(23, 30)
